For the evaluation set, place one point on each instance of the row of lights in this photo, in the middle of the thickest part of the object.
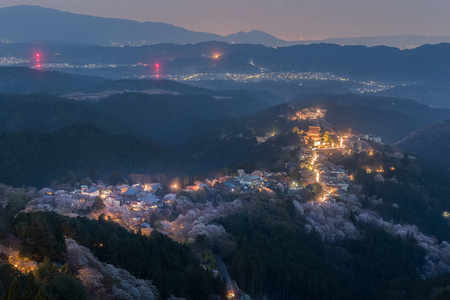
(157, 65)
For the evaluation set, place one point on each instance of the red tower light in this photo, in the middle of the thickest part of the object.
(156, 65)
(38, 54)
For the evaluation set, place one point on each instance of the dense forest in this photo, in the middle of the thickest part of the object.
(36, 159)
(172, 267)
(418, 187)
(73, 153)
(275, 256)
(167, 119)
(431, 142)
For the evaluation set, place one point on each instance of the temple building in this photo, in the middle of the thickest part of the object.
(313, 133)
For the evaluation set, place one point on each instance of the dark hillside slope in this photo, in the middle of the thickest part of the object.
(34, 158)
(21, 80)
(431, 142)
(168, 119)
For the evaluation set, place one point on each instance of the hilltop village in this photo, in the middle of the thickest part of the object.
(134, 205)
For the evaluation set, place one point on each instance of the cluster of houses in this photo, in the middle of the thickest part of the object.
(256, 181)
(135, 197)
(61, 200)
(371, 137)
(308, 114)
(336, 177)
(142, 198)
(330, 174)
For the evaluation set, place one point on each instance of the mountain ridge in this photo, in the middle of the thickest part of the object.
(19, 26)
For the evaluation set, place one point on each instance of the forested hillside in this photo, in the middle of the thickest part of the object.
(431, 142)
(31, 158)
(167, 119)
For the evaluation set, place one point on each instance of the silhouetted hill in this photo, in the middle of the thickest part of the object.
(31, 157)
(235, 141)
(48, 113)
(18, 25)
(172, 119)
(167, 119)
(14, 80)
(35, 158)
(434, 94)
(256, 37)
(398, 41)
(425, 63)
(141, 85)
(405, 41)
(22, 80)
(68, 28)
(431, 142)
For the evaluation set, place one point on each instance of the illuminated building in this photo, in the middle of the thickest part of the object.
(313, 133)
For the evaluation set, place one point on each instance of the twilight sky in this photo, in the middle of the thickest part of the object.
(287, 19)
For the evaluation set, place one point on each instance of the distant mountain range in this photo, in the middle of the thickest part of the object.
(18, 25)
